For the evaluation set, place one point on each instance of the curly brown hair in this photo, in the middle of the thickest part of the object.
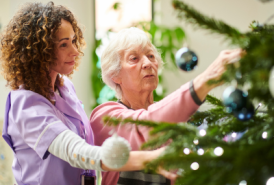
(28, 45)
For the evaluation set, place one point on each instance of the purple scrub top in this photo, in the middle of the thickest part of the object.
(32, 123)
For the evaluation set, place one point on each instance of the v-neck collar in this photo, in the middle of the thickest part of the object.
(65, 102)
(119, 101)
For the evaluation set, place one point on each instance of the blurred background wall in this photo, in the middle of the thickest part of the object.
(207, 46)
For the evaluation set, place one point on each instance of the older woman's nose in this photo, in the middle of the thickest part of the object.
(146, 63)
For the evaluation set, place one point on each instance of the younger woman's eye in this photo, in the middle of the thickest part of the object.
(73, 41)
(63, 45)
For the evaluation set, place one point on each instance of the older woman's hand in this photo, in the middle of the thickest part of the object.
(215, 71)
(137, 160)
(163, 172)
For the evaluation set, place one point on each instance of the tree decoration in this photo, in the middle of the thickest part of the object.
(237, 102)
(115, 151)
(186, 59)
(234, 99)
(245, 113)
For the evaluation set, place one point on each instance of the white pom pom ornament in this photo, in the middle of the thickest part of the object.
(115, 151)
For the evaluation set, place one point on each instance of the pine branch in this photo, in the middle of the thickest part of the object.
(214, 101)
(116, 121)
(193, 16)
(165, 133)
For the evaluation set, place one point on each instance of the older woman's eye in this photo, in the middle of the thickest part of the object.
(151, 56)
(134, 58)
(74, 41)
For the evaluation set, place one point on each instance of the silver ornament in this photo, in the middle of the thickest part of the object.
(186, 59)
(115, 151)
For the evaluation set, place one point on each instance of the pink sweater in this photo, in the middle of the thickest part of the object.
(176, 107)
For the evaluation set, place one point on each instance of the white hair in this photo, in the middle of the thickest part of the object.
(111, 57)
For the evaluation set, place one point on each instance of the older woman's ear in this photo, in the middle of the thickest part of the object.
(116, 80)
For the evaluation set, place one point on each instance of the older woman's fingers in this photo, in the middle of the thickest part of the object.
(217, 68)
(233, 60)
(234, 56)
(167, 174)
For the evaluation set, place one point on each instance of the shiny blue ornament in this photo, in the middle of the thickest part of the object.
(237, 102)
(234, 99)
(186, 59)
(246, 113)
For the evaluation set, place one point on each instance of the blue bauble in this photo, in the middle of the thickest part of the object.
(246, 113)
(237, 102)
(234, 99)
(186, 59)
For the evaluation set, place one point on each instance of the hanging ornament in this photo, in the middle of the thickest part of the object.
(246, 113)
(186, 59)
(271, 82)
(234, 99)
(237, 102)
(115, 151)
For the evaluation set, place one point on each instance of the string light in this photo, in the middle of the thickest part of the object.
(234, 134)
(218, 151)
(270, 181)
(202, 132)
(196, 141)
(194, 166)
(186, 151)
(200, 151)
(264, 135)
(243, 182)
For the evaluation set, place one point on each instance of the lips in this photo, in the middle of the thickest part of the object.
(71, 62)
(149, 76)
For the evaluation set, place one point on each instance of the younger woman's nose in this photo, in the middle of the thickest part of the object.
(74, 51)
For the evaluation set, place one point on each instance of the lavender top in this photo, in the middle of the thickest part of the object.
(32, 123)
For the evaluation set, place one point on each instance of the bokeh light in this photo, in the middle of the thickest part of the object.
(218, 151)
(200, 151)
(194, 166)
(186, 151)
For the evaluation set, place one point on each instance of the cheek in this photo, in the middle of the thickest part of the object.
(60, 54)
(157, 64)
(156, 67)
(132, 71)
(58, 57)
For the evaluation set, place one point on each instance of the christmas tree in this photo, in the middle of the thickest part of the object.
(231, 143)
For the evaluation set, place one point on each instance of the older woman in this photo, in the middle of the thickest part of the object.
(130, 66)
